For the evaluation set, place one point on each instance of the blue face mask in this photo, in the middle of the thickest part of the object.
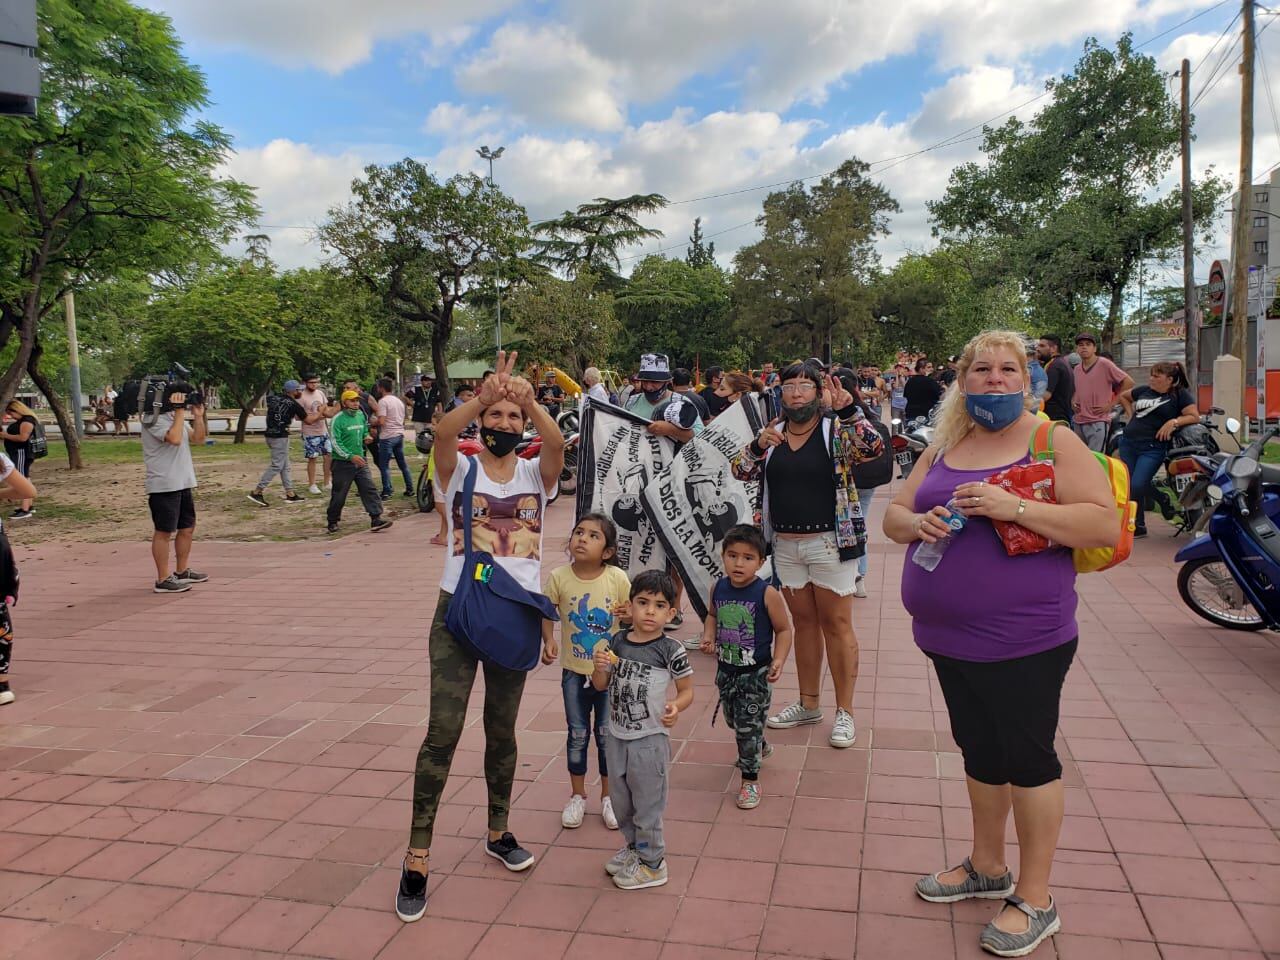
(994, 411)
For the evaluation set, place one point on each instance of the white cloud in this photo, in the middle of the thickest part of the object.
(546, 73)
(296, 186)
(333, 35)
(451, 119)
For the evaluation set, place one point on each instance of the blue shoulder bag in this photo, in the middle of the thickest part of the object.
(491, 615)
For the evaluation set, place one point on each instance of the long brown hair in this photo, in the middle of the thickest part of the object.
(740, 382)
(1175, 371)
(954, 422)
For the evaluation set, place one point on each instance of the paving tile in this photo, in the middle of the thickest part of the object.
(251, 875)
(434, 937)
(273, 925)
(707, 923)
(821, 888)
(1204, 923)
(321, 881)
(198, 916)
(1172, 876)
(808, 933)
(153, 948)
(60, 899)
(621, 913)
(502, 942)
(129, 907)
(68, 942)
(350, 934)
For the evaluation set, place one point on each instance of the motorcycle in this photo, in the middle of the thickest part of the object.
(1231, 575)
(1191, 465)
(910, 440)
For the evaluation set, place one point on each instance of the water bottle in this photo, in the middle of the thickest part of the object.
(928, 555)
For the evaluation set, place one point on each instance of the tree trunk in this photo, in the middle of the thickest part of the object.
(66, 423)
(243, 423)
(12, 377)
(439, 341)
(1113, 316)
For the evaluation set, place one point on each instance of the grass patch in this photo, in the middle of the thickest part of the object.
(109, 450)
(78, 513)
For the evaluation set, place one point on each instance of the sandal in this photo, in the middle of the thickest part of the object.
(976, 886)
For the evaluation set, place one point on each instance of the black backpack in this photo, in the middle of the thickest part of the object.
(37, 443)
(877, 472)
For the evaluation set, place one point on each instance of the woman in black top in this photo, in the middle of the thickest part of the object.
(19, 425)
(1155, 412)
(922, 392)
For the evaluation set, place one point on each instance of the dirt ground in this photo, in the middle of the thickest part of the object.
(105, 501)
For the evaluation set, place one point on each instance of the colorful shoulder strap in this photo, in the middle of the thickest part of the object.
(1041, 446)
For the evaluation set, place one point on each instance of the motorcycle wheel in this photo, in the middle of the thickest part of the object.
(1207, 587)
(569, 475)
(426, 492)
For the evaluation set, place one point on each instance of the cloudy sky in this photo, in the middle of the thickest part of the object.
(688, 99)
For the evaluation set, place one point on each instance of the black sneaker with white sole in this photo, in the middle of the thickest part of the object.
(331, 528)
(191, 576)
(21, 514)
(258, 498)
(379, 524)
(294, 498)
(507, 849)
(171, 584)
(6, 695)
(411, 897)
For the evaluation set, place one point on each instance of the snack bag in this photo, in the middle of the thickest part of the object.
(1030, 481)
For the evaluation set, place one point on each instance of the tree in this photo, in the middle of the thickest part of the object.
(680, 310)
(110, 176)
(806, 284)
(420, 246)
(593, 237)
(568, 323)
(699, 254)
(1068, 196)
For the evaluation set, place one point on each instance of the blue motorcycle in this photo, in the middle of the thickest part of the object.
(1231, 575)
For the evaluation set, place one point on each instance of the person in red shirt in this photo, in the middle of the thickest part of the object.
(1098, 383)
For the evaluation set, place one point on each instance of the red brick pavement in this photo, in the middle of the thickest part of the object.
(225, 775)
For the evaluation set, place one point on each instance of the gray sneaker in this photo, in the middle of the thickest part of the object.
(1043, 924)
(171, 584)
(795, 715)
(638, 875)
(976, 886)
(621, 861)
(843, 732)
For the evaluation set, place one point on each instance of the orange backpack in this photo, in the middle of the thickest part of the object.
(1093, 559)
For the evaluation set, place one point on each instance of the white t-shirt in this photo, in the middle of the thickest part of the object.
(391, 414)
(313, 401)
(507, 521)
(598, 391)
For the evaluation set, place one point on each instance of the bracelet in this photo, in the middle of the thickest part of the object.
(1022, 508)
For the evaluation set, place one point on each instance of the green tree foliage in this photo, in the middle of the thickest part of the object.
(1069, 196)
(112, 175)
(243, 328)
(807, 282)
(700, 253)
(936, 302)
(567, 323)
(681, 310)
(593, 237)
(420, 246)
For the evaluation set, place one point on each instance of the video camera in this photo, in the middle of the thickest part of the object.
(152, 395)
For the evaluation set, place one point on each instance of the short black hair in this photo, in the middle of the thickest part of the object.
(1052, 338)
(922, 363)
(387, 384)
(680, 377)
(654, 581)
(747, 535)
(713, 372)
(802, 371)
(610, 531)
(309, 376)
(464, 386)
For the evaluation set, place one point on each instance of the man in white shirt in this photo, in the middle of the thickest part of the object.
(391, 436)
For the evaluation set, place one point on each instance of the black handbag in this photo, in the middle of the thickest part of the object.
(491, 615)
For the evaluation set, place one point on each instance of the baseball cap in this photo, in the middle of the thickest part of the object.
(350, 395)
(654, 366)
(1086, 335)
(291, 385)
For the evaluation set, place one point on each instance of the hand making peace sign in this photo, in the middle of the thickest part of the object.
(497, 387)
(837, 396)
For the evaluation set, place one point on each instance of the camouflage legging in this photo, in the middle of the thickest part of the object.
(453, 673)
(745, 696)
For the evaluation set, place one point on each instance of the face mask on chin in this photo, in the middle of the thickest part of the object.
(802, 414)
(499, 442)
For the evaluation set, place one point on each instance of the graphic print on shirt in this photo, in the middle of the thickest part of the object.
(629, 695)
(502, 526)
(736, 632)
(1148, 405)
(593, 625)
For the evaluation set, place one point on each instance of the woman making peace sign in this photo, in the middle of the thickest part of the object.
(510, 498)
(804, 460)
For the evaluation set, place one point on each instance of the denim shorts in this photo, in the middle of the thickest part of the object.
(315, 447)
(813, 560)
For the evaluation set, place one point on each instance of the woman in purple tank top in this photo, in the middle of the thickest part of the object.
(1000, 630)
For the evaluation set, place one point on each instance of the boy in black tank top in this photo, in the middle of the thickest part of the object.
(749, 630)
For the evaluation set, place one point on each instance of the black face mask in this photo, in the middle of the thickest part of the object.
(801, 414)
(653, 396)
(499, 442)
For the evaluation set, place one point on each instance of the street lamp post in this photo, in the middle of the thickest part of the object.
(492, 155)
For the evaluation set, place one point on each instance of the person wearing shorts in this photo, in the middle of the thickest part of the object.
(805, 461)
(170, 486)
(316, 446)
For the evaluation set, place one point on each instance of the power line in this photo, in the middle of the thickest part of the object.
(1208, 53)
(1219, 71)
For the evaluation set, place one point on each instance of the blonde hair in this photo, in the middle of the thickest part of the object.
(954, 422)
(20, 408)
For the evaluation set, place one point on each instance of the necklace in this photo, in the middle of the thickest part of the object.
(793, 433)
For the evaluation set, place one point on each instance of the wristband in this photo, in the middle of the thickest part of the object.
(1022, 508)
(757, 451)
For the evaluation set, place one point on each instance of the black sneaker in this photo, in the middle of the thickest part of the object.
(385, 496)
(191, 576)
(411, 898)
(21, 514)
(409, 493)
(258, 498)
(379, 524)
(676, 622)
(331, 528)
(6, 695)
(294, 498)
(1139, 532)
(171, 584)
(507, 849)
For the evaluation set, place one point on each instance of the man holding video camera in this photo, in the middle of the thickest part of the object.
(171, 480)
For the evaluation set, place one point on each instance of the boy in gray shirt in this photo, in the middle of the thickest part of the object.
(638, 666)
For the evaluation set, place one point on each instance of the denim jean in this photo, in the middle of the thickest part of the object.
(1143, 458)
(864, 498)
(387, 449)
(581, 700)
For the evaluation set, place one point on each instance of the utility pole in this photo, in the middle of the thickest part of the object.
(492, 155)
(1190, 308)
(73, 353)
(1240, 238)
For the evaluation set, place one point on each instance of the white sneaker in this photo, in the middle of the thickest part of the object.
(606, 812)
(860, 588)
(314, 490)
(794, 715)
(574, 811)
(328, 484)
(842, 731)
